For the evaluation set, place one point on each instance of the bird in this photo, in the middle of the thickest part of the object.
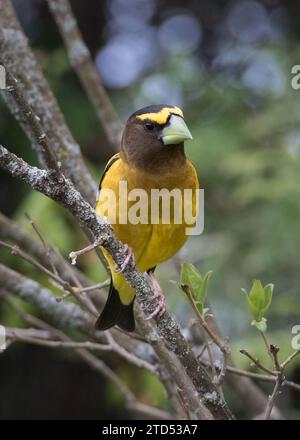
(151, 156)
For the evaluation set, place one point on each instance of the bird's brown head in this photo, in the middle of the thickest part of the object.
(153, 138)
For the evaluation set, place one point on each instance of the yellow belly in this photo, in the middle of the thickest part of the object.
(150, 243)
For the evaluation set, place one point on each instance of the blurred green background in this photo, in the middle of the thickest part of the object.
(228, 65)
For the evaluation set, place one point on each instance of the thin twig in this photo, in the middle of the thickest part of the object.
(20, 61)
(129, 356)
(258, 376)
(33, 333)
(223, 345)
(112, 345)
(277, 374)
(184, 403)
(46, 246)
(38, 134)
(75, 254)
(290, 358)
(20, 336)
(212, 364)
(257, 362)
(82, 63)
(202, 351)
(280, 378)
(11, 231)
(271, 400)
(94, 363)
(95, 286)
(267, 344)
(15, 250)
(274, 350)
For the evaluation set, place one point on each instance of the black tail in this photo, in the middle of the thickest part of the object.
(116, 313)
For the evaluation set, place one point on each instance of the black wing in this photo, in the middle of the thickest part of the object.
(111, 161)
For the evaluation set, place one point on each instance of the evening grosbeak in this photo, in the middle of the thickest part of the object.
(152, 157)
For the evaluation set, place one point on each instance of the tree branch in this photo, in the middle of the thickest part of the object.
(132, 403)
(36, 91)
(100, 367)
(222, 345)
(62, 191)
(27, 335)
(257, 363)
(263, 377)
(9, 230)
(252, 397)
(85, 301)
(61, 314)
(82, 63)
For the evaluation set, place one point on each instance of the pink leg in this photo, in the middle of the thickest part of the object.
(129, 260)
(161, 307)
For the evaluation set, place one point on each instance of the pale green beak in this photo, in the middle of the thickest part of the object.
(176, 131)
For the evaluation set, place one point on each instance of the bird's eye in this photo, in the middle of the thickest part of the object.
(149, 126)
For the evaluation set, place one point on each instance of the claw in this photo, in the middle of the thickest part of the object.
(129, 260)
(161, 307)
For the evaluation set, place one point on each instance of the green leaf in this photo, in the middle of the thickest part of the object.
(256, 299)
(204, 288)
(200, 307)
(259, 299)
(268, 295)
(197, 284)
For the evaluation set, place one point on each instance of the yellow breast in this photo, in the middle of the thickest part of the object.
(151, 243)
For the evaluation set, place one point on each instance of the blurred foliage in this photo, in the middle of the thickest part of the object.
(246, 148)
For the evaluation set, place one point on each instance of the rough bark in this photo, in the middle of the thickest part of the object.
(16, 54)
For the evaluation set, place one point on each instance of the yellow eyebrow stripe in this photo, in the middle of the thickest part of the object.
(161, 117)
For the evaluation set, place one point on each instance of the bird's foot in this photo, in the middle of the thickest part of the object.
(129, 260)
(161, 307)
